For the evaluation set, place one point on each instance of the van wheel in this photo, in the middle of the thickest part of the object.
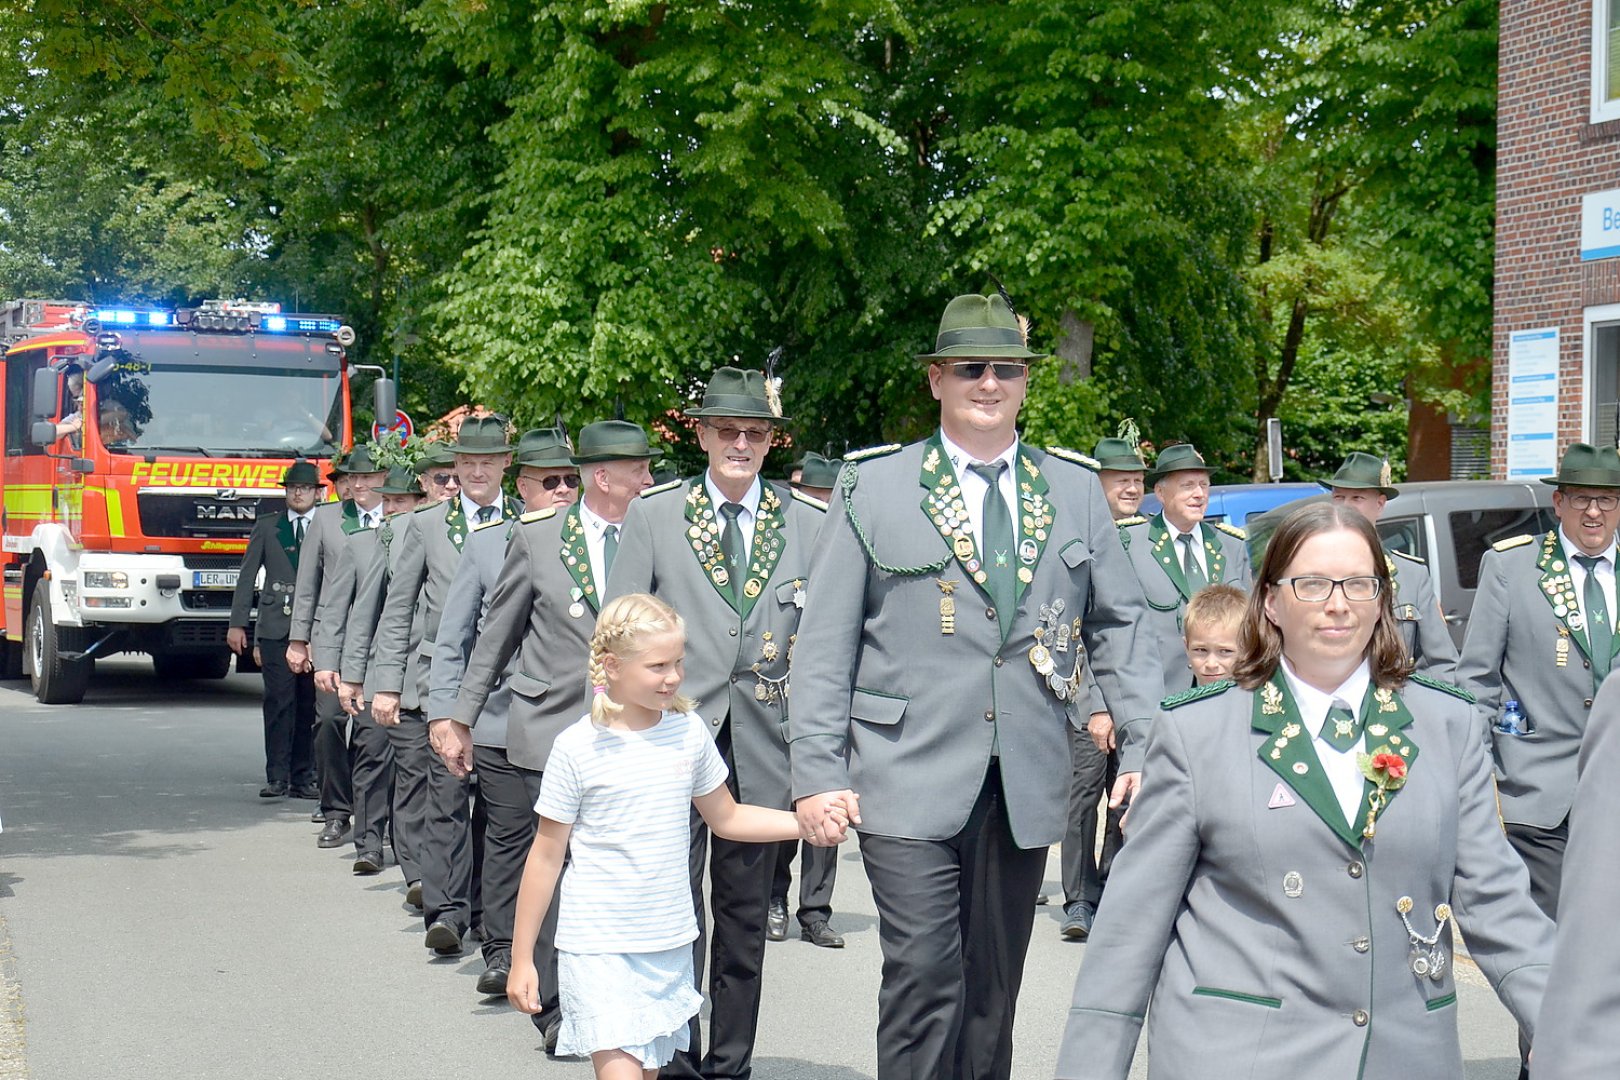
(56, 681)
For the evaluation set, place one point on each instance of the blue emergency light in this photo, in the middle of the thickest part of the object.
(130, 317)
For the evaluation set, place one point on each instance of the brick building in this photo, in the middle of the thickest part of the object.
(1556, 364)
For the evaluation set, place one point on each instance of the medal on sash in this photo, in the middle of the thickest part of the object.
(1428, 959)
(1561, 648)
(947, 606)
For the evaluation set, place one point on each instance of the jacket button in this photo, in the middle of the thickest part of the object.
(1361, 944)
(998, 661)
(990, 613)
(734, 680)
(1354, 869)
(990, 715)
(1359, 1018)
(732, 631)
(1587, 703)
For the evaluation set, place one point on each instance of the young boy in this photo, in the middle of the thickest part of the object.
(1214, 615)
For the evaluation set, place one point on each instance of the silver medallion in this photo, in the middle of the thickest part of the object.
(576, 610)
(1293, 885)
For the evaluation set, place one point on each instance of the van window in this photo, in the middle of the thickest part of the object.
(1404, 535)
(1472, 531)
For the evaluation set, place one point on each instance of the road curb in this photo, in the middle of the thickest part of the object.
(13, 1033)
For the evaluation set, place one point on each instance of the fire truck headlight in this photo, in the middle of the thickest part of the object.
(106, 579)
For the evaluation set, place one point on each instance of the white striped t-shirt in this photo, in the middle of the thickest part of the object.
(628, 796)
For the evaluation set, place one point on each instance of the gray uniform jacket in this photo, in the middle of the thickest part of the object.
(1512, 652)
(1269, 939)
(1422, 623)
(739, 635)
(272, 548)
(337, 598)
(1578, 1038)
(890, 704)
(323, 540)
(536, 636)
(464, 610)
(371, 590)
(422, 569)
(1156, 558)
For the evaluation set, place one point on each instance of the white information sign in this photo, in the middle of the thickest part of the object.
(1532, 422)
(1600, 225)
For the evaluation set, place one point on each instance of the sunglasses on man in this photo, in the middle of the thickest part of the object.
(444, 479)
(729, 435)
(973, 370)
(566, 479)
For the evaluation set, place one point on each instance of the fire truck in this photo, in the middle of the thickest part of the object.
(140, 444)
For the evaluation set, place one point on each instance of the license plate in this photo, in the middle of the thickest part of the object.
(213, 579)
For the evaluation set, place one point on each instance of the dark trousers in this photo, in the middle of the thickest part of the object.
(289, 718)
(739, 895)
(508, 794)
(409, 805)
(372, 752)
(332, 763)
(447, 849)
(818, 869)
(1543, 853)
(954, 920)
(1088, 777)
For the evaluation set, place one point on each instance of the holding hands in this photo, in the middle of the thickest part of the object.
(824, 819)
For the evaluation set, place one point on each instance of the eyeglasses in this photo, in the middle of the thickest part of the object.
(973, 370)
(1604, 503)
(1314, 590)
(302, 489)
(566, 479)
(729, 435)
(444, 479)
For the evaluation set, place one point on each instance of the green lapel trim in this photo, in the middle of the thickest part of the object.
(770, 538)
(284, 533)
(1288, 752)
(1385, 719)
(1166, 556)
(1558, 588)
(351, 517)
(1214, 552)
(1034, 522)
(703, 532)
(942, 504)
(455, 522)
(576, 559)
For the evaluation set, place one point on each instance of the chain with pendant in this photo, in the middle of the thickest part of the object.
(768, 689)
(1428, 959)
(1053, 639)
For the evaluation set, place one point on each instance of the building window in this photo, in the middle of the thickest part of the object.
(1603, 374)
(1605, 60)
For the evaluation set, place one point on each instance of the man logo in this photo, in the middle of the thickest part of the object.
(246, 512)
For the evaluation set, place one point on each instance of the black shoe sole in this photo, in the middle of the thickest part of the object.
(332, 841)
(413, 895)
(836, 943)
(366, 865)
(492, 983)
(443, 940)
(1075, 933)
(774, 934)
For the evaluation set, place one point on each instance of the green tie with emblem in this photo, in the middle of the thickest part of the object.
(1599, 631)
(486, 514)
(1190, 567)
(998, 541)
(298, 530)
(1342, 730)
(610, 548)
(731, 545)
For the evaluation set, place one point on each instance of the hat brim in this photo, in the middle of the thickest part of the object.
(486, 451)
(986, 352)
(650, 454)
(1121, 464)
(738, 412)
(1155, 475)
(1350, 485)
(1594, 479)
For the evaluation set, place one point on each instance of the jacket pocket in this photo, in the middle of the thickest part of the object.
(1237, 995)
(1441, 1002)
(875, 708)
(528, 686)
(788, 589)
(425, 648)
(1075, 553)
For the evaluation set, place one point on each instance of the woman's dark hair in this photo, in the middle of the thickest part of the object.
(1260, 643)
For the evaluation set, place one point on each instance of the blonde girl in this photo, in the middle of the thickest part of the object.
(617, 793)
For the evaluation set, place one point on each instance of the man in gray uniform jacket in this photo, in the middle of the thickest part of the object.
(430, 551)
(545, 477)
(1176, 553)
(532, 649)
(1363, 483)
(731, 553)
(317, 559)
(289, 697)
(937, 674)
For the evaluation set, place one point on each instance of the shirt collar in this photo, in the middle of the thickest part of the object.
(961, 459)
(750, 501)
(1571, 550)
(471, 508)
(306, 517)
(1314, 704)
(594, 523)
(1175, 533)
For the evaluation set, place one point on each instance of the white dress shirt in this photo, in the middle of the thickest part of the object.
(1577, 574)
(294, 520)
(750, 505)
(1197, 546)
(1343, 772)
(369, 519)
(471, 508)
(973, 486)
(596, 527)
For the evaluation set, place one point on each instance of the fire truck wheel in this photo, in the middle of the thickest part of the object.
(56, 681)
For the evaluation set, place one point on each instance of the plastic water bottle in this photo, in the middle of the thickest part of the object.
(1512, 721)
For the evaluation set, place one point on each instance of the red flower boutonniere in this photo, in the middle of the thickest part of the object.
(1387, 772)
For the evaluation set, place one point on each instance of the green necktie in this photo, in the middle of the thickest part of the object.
(731, 545)
(298, 530)
(610, 548)
(998, 542)
(1342, 730)
(486, 514)
(1190, 569)
(1599, 632)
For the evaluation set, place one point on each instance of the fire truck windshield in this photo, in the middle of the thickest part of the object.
(220, 396)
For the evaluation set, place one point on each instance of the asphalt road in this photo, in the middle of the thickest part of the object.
(158, 921)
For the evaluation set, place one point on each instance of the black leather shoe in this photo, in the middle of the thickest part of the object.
(549, 1024)
(366, 865)
(492, 983)
(819, 933)
(306, 791)
(443, 939)
(318, 816)
(776, 920)
(1077, 921)
(276, 789)
(332, 836)
(413, 894)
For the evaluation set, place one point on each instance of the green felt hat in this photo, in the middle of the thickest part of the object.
(360, 460)
(301, 472)
(541, 448)
(975, 325)
(614, 440)
(1585, 465)
(435, 455)
(1182, 457)
(1118, 454)
(744, 395)
(819, 472)
(1363, 472)
(336, 467)
(400, 481)
(481, 435)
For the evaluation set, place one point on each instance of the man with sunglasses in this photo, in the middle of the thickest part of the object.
(730, 552)
(937, 675)
(437, 468)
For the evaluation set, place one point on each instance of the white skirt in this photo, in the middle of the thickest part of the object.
(636, 1002)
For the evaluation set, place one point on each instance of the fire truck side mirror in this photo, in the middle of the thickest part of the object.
(42, 433)
(100, 369)
(46, 397)
(384, 401)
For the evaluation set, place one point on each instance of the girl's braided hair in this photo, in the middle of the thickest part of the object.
(620, 630)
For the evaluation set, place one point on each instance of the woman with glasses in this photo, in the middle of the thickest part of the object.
(1304, 842)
